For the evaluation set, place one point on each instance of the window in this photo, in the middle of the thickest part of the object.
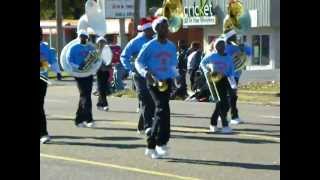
(261, 50)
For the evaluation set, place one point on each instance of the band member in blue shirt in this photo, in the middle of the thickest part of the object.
(76, 57)
(131, 50)
(157, 62)
(46, 60)
(234, 50)
(224, 67)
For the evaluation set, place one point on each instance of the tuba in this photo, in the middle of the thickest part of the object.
(237, 21)
(92, 63)
(92, 19)
(173, 10)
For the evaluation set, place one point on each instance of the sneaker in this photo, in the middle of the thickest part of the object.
(96, 93)
(81, 125)
(90, 124)
(148, 131)
(226, 130)
(151, 153)
(236, 121)
(213, 129)
(45, 139)
(103, 108)
(140, 131)
(162, 150)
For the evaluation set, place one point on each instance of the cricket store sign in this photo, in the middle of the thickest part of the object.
(199, 12)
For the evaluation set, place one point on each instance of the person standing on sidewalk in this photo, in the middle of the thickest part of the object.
(182, 66)
(118, 70)
(223, 66)
(54, 57)
(76, 55)
(157, 62)
(132, 49)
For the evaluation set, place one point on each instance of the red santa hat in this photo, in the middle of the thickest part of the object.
(145, 23)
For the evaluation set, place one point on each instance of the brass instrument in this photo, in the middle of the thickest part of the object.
(237, 21)
(173, 10)
(91, 58)
(45, 79)
(238, 18)
(162, 86)
(212, 77)
(44, 66)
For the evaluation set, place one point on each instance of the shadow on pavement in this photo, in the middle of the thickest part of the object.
(130, 112)
(190, 116)
(230, 164)
(72, 119)
(115, 129)
(225, 139)
(111, 138)
(119, 146)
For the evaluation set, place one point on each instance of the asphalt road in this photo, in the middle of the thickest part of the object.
(114, 150)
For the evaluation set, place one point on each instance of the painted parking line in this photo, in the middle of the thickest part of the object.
(271, 117)
(137, 170)
(56, 101)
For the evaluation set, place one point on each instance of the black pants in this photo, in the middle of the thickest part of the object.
(84, 112)
(192, 74)
(145, 100)
(103, 87)
(160, 131)
(222, 106)
(182, 89)
(43, 120)
(233, 102)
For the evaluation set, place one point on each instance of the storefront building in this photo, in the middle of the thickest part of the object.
(204, 18)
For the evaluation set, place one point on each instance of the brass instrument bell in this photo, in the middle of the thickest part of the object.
(173, 10)
(162, 86)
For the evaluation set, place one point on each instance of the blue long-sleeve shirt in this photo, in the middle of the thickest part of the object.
(45, 56)
(54, 61)
(232, 50)
(77, 54)
(222, 64)
(132, 49)
(159, 59)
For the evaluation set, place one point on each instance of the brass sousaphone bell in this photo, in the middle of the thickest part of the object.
(173, 10)
(237, 20)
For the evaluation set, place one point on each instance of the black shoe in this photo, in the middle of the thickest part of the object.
(59, 77)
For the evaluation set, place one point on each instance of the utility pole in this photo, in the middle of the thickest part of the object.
(59, 27)
(136, 13)
(123, 39)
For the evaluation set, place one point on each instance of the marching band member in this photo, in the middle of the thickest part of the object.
(45, 59)
(76, 56)
(223, 65)
(132, 49)
(55, 64)
(233, 50)
(102, 79)
(157, 62)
